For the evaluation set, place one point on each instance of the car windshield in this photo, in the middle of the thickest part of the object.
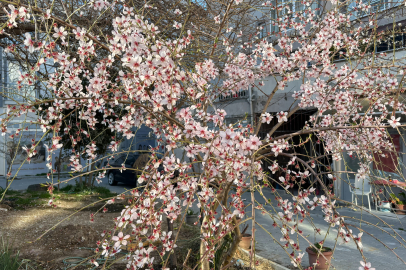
(130, 160)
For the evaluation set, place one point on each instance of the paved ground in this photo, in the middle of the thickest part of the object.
(24, 181)
(345, 257)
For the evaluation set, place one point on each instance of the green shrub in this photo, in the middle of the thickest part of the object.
(320, 248)
(23, 201)
(83, 190)
(44, 195)
(10, 191)
(67, 188)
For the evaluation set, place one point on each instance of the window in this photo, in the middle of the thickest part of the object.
(262, 30)
(130, 160)
(397, 42)
(381, 46)
(391, 42)
(120, 160)
(286, 9)
(12, 72)
(376, 6)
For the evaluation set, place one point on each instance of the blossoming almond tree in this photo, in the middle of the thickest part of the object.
(154, 86)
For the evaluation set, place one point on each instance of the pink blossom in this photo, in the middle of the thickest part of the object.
(394, 122)
(29, 42)
(177, 25)
(120, 239)
(282, 117)
(365, 266)
(266, 118)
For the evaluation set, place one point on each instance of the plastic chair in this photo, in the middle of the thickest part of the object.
(362, 188)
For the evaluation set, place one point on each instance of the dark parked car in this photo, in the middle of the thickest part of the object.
(126, 176)
(129, 176)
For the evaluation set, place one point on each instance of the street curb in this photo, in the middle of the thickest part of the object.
(24, 177)
(275, 265)
(381, 226)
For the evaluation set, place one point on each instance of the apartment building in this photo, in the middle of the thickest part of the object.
(248, 104)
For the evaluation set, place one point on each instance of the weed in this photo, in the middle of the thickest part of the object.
(10, 191)
(67, 188)
(102, 190)
(222, 251)
(44, 195)
(39, 194)
(191, 242)
(79, 191)
(23, 201)
(190, 212)
(9, 260)
(13, 198)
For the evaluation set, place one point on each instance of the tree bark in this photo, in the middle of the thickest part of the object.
(90, 180)
(172, 257)
(205, 262)
(234, 245)
(205, 265)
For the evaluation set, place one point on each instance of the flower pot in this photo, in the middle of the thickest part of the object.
(323, 262)
(191, 219)
(245, 242)
(384, 206)
(401, 209)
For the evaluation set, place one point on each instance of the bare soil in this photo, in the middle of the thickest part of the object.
(48, 236)
(71, 233)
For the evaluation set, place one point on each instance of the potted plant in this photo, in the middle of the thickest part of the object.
(319, 255)
(400, 204)
(384, 206)
(245, 242)
(191, 217)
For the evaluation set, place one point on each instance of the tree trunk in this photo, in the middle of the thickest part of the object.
(172, 258)
(90, 180)
(234, 245)
(8, 170)
(205, 265)
(205, 261)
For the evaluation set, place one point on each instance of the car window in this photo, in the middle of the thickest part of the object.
(130, 160)
(119, 161)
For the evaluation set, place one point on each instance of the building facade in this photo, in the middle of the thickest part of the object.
(392, 19)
